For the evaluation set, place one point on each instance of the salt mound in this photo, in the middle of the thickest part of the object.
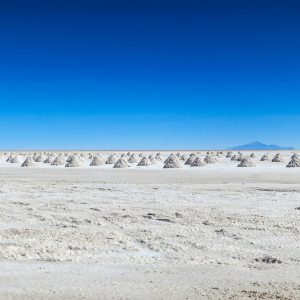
(278, 158)
(252, 155)
(29, 162)
(229, 155)
(265, 157)
(111, 160)
(145, 161)
(15, 160)
(234, 157)
(121, 163)
(183, 157)
(191, 159)
(132, 159)
(295, 156)
(48, 160)
(58, 161)
(241, 157)
(152, 159)
(39, 158)
(172, 163)
(209, 159)
(198, 162)
(169, 157)
(9, 158)
(246, 162)
(69, 159)
(35, 156)
(73, 163)
(158, 156)
(97, 161)
(294, 163)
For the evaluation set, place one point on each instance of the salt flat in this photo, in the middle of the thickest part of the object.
(215, 232)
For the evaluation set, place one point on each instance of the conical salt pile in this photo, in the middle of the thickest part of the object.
(184, 157)
(48, 160)
(198, 162)
(158, 156)
(111, 160)
(15, 160)
(252, 155)
(121, 163)
(209, 159)
(39, 158)
(246, 162)
(191, 159)
(132, 159)
(70, 158)
(35, 156)
(265, 157)
(294, 163)
(278, 158)
(74, 162)
(172, 163)
(9, 158)
(169, 157)
(234, 157)
(152, 159)
(58, 161)
(97, 161)
(229, 155)
(145, 161)
(29, 162)
(241, 157)
(295, 156)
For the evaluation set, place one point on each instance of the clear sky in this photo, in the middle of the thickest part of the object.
(149, 74)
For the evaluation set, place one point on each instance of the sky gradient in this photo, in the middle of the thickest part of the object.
(149, 74)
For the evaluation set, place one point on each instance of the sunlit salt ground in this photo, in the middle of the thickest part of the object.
(215, 231)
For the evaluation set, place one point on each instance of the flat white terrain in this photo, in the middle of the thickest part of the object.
(213, 232)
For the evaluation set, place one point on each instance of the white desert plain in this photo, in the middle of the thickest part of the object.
(150, 225)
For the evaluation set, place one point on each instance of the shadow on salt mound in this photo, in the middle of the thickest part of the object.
(29, 162)
(145, 161)
(74, 162)
(97, 161)
(121, 163)
(246, 163)
(172, 162)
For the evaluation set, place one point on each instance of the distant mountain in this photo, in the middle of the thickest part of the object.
(260, 146)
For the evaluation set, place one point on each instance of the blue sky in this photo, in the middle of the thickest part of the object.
(149, 74)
